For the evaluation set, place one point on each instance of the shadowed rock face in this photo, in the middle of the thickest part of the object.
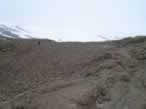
(43, 74)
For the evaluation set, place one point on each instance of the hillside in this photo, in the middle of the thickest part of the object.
(44, 74)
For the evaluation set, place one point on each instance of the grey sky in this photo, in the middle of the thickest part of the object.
(77, 19)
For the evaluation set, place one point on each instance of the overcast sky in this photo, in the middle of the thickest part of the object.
(77, 19)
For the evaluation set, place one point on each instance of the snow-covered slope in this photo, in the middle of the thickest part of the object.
(11, 31)
(14, 32)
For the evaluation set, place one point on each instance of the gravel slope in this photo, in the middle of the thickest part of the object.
(44, 74)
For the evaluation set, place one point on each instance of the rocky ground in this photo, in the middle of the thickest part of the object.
(44, 74)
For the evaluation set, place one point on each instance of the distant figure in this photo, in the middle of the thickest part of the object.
(39, 42)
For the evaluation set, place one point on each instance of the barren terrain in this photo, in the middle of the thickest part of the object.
(44, 74)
